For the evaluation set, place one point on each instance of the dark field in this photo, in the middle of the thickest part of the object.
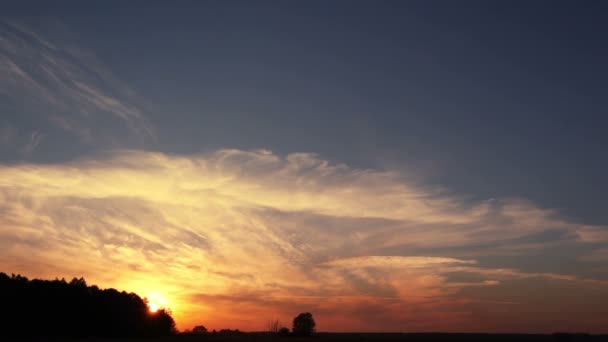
(350, 337)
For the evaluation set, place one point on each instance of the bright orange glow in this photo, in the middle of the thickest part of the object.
(155, 302)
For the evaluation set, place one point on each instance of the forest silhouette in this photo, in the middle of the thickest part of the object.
(58, 308)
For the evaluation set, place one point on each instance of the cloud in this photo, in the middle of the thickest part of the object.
(396, 262)
(592, 234)
(35, 139)
(276, 235)
(66, 87)
(598, 255)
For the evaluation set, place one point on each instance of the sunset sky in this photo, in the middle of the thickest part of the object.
(385, 165)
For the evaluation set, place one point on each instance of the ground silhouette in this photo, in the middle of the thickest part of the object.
(57, 308)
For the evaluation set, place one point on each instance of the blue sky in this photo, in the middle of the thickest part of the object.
(473, 101)
(485, 99)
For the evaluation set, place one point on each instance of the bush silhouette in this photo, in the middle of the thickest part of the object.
(56, 308)
(199, 329)
(303, 324)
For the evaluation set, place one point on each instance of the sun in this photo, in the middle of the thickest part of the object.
(155, 302)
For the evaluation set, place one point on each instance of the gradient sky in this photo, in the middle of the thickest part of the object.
(385, 165)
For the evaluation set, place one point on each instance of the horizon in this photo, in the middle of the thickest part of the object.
(152, 311)
(388, 166)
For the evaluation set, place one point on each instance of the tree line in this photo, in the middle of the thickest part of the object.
(58, 308)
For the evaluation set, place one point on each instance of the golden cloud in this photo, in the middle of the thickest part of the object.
(272, 234)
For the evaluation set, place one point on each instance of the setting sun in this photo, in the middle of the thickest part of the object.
(155, 302)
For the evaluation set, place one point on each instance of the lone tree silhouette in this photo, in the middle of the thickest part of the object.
(303, 324)
(199, 329)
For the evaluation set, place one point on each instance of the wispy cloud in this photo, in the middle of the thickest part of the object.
(279, 235)
(35, 139)
(67, 87)
(599, 255)
(592, 234)
(289, 233)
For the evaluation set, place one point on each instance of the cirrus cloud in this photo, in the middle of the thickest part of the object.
(54, 85)
(280, 234)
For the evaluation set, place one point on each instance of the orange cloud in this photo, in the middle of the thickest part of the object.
(232, 238)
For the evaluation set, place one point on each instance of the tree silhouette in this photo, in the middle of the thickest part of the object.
(56, 308)
(273, 326)
(303, 324)
(199, 329)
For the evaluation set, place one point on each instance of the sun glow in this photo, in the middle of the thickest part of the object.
(155, 302)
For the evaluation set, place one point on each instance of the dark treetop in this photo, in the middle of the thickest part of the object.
(72, 309)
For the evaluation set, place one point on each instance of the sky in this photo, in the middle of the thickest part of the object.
(386, 165)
